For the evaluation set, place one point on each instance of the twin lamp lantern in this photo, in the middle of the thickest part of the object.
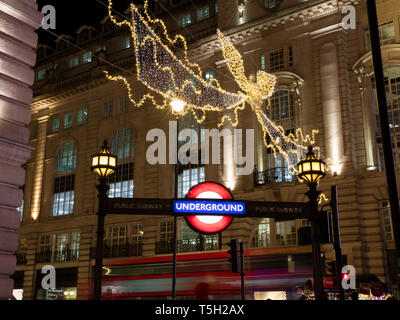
(311, 170)
(104, 163)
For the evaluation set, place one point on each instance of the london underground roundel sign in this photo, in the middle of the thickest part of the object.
(208, 224)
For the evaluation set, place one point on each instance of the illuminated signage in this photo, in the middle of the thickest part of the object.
(209, 207)
(212, 223)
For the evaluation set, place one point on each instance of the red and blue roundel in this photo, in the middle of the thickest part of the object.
(209, 224)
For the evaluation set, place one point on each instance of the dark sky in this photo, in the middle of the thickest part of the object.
(72, 14)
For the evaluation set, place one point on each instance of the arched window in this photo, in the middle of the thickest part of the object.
(392, 84)
(282, 112)
(63, 198)
(121, 182)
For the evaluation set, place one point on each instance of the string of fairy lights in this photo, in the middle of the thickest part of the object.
(171, 78)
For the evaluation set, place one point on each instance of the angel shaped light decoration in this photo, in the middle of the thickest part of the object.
(171, 78)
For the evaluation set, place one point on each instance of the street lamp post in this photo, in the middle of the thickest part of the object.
(103, 164)
(310, 171)
(178, 107)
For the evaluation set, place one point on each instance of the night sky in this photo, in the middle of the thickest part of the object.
(72, 14)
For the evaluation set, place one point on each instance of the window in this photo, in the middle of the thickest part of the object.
(191, 173)
(392, 85)
(387, 221)
(386, 35)
(271, 4)
(216, 7)
(262, 236)
(126, 43)
(59, 247)
(184, 20)
(87, 57)
(262, 61)
(203, 13)
(124, 241)
(123, 105)
(121, 182)
(290, 56)
(286, 233)
(103, 48)
(68, 120)
(82, 116)
(63, 198)
(33, 130)
(55, 124)
(281, 111)
(74, 62)
(20, 209)
(41, 74)
(107, 109)
(210, 76)
(276, 60)
(165, 237)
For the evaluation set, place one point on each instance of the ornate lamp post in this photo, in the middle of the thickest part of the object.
(177, 107)
(310, 171)
(103, 164)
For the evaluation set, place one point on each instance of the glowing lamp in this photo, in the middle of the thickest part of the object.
(104, 163)
(311, 169)
(177, 105)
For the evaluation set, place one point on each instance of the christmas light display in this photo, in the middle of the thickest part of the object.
(170, 78)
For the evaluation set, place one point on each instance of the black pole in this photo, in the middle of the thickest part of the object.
(242, 269)
(337, 243)
(175, 244)
(102, 188)
(384, 122)
(313, 194)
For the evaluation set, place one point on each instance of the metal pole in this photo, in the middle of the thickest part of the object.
(175, 244)
(312, 194)
(102, 188)
(242, 269)
(384, 122)
(336, 243)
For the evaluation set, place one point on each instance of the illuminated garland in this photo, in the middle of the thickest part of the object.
(171, 78)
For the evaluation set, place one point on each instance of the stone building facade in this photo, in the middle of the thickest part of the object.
(324, 76)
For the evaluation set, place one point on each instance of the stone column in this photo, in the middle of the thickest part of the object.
(331, 107)
(18, 19)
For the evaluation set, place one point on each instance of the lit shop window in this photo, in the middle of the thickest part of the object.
(285, 233)
(184, 20)
(63, 198)
(121, 182)
(262, 236)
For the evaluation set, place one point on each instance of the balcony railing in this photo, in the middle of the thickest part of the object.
(192, 245)
(133, 249)
(57, 255)
(273, 175)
